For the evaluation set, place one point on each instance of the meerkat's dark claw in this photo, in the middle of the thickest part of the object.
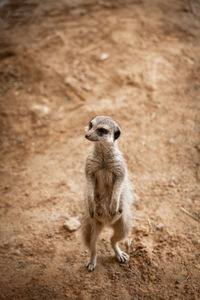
(91, 267)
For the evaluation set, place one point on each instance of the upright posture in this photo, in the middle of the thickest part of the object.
(108, 194)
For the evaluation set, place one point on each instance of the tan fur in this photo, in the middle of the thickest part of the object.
(108, 194)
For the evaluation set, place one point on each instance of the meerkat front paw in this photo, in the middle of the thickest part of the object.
(99, 212)
(114, 208)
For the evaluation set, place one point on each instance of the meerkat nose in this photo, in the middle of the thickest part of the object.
(86, 136)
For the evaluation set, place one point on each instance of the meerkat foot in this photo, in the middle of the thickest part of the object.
(91, 267)
(122, 257)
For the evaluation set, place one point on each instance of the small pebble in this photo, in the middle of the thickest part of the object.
(87, 88)
(171, 141)
(177, 282)
(72, 224)
(104, 56)
(159, 226)
(17, 252)
(40, 110)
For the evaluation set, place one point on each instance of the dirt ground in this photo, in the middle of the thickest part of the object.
(61, 63)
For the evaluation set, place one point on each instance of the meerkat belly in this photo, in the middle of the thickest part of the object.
(104, 181)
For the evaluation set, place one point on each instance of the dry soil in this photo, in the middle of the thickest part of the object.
(61, 63)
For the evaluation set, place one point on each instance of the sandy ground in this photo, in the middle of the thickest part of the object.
(61, 63)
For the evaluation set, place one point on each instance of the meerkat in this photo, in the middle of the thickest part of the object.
(108, 191)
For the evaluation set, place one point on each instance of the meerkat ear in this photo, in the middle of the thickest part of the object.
(117, 133)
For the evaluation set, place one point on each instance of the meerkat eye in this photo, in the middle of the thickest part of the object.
(90, 125)
(102, 130)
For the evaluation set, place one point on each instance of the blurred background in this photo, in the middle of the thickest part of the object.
(61, 63)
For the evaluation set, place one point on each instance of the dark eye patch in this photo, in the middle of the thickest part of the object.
(102, 130)
(90, 125)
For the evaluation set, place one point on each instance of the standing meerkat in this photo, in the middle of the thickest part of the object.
(108, 194)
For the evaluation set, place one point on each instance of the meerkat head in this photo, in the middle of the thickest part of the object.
(103, 129)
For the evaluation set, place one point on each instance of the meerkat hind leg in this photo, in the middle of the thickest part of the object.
(120, 232)
(94, 233)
